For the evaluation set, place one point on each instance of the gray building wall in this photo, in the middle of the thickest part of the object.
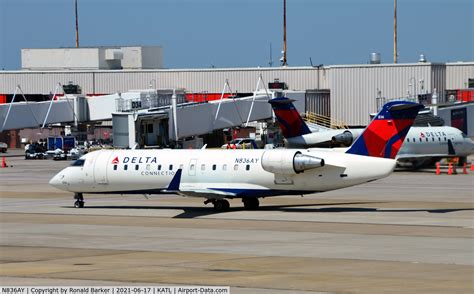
(353, 88)
(457, 74)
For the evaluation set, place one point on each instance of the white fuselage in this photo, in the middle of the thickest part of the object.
(419, 142)
(433, 141)
(217, 173)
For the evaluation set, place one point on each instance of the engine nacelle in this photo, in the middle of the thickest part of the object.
(346, 138)
(289, 162)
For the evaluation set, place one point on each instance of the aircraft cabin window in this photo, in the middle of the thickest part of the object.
(247, 167)
(432, 139)
(203, 166)
(408, 139)
(439, 139)
(115, 167)
(79, 162)
(136, 166)
(444, 138)
(148, 167)
(159, 166)
(420, 139)
(214, 167)
(236, 167)
(191, 167)
(125, 167)
(171, 167)
(426, 139)
(224, 167)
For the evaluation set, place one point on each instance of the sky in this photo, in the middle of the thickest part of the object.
(239, 33)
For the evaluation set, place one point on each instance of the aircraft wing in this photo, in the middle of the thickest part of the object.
(206, 193)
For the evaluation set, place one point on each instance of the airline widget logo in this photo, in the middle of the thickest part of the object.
(116, 160)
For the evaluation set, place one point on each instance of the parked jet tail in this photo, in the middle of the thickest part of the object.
(290, 121)
(387, 131)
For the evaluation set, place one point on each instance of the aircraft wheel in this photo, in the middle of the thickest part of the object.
(251, 203)
(79, 204)
(221, 205)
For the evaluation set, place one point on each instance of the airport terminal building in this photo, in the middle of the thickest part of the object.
(342, 92)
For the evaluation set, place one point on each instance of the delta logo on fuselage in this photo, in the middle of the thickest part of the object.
(135, 159)
(432, 134)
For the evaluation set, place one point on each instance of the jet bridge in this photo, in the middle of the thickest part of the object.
(184, 119)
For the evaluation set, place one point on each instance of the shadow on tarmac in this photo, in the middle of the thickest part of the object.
(193, 212)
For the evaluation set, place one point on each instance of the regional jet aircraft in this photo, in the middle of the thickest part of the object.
(247, 174)
(423, 145)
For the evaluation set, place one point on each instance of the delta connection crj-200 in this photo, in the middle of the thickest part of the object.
(217, 175)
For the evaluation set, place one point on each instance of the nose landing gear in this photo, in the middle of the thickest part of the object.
(79, 200)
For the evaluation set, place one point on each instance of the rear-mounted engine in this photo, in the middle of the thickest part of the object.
(289, 162)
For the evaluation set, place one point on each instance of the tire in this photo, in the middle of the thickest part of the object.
(79, 204)
(221, 205)
(251, 203)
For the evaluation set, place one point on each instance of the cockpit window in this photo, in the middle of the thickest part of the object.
(79, 162)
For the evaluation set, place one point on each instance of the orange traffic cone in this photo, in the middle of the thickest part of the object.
(234, 146)
(450, 168)
(464, 168)
(438, 168)
(4, 163)
(472, 166)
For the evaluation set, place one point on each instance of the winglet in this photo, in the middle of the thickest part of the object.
(387, 131)
(174, 184)
(289, 120)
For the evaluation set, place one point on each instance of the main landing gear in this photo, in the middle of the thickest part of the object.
(79, 200)
(251, 203)
(220, 205)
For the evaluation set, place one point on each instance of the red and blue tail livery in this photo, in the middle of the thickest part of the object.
(385, 134)
(290, 121)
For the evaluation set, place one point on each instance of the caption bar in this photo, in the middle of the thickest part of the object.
(117, 290)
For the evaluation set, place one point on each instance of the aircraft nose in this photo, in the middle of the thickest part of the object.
(56, 181)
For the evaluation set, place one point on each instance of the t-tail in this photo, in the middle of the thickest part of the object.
(290, 121)
(385, 134)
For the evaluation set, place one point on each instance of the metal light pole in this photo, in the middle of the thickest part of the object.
(395, 53)
(284, 60)
(77, 25)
